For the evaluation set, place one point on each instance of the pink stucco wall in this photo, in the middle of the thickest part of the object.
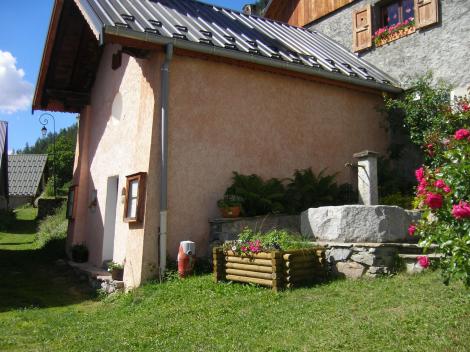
(115, 141)
(223, 118)
(226, 118)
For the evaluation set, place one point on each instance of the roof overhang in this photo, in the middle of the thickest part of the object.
(69, 62)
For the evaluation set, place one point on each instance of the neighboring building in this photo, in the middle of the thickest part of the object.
(26, 176)
(3, 165)
(439, 40)
(173, 96)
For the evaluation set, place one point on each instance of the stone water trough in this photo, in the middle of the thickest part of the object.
(366, 239)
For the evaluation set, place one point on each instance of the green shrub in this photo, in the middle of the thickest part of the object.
(259, 197)
(250, 241)
(398, 199)
(52, 228)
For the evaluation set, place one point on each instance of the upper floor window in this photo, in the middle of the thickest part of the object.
(397, 12)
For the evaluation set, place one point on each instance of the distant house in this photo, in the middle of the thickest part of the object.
(26, 177)
(3, 165)
(173, 96)
(434, 34)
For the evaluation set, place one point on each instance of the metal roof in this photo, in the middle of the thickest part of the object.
(24, 173)
(214, 28)
(3, 140)
(3, 158)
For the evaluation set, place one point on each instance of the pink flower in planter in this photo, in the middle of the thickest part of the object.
(462, 134)
(411, 230)
(243, 248)
(419, 173)
(433, 200)
(461, 210)
(424, 261)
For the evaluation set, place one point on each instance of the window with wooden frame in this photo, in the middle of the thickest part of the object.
(135, 198)
(71, 202)
(395, 12)
(392, 19)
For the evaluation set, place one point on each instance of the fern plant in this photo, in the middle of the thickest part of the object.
(307, 190)
(259, 197)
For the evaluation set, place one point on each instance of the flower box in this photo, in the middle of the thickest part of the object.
(394, 36)
(275, 269)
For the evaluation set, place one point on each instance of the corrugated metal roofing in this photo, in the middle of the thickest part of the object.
(24, 173)
(3, 158)
(209, 25)
(3, 140)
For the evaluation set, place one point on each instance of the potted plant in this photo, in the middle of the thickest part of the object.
(230, 206)
(80, 253)
(116, 270)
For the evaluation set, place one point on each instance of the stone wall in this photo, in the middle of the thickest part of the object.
(354, 260)
(443, 48)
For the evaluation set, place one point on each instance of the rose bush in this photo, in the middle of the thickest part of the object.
(443, 193)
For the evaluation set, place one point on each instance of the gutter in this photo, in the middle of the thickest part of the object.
(247, 57)
(165, 83)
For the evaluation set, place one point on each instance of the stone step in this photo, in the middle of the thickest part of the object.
(411, 261)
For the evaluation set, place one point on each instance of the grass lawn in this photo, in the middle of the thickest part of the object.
(396, 314)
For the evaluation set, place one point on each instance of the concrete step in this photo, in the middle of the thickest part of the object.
(98, 278)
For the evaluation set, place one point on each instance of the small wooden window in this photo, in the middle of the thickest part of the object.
(362, 31)
(71, 202)
(135, 196)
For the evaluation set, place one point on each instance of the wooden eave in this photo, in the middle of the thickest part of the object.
(69, 62)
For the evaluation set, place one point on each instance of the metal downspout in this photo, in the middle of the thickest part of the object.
(165, 75)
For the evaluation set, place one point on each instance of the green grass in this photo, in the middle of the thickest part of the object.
(22, 235)
(43, 308)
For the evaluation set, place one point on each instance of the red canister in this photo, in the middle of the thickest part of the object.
(186, 258)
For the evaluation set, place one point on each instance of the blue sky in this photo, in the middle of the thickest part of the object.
(23, 31)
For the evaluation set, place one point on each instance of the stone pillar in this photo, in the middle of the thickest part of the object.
(367, 177)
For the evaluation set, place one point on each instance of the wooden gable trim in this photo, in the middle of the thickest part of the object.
(47, 53)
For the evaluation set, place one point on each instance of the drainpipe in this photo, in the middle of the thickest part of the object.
(165, 82)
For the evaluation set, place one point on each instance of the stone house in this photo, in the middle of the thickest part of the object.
(437, 39)
(3, 165)
(26, 178)
(173, 96)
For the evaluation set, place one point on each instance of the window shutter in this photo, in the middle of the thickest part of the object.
(362, 31)
(426, 13)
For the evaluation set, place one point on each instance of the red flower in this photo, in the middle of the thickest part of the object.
(419, 174)
(440, 184)
(424, 261)
(462, 134)
(411, 230)
(461, 210)
(447, 189)
(433, 200)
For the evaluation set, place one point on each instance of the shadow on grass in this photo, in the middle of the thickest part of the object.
(38, 279)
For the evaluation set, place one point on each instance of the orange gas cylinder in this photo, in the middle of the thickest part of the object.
(186, 258)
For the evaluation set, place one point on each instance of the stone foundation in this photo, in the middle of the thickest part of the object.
(354, 260)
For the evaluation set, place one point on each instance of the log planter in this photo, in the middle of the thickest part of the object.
(276, 269)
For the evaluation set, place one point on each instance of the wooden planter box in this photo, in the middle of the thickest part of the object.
(276, 269)
(397, 35)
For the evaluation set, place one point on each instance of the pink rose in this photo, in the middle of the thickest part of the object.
(424, 261)
(462, 134)
(411, 230)
(461, 210)
(419, 173)
(440, 184)
(447, 189)
(433, 200)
